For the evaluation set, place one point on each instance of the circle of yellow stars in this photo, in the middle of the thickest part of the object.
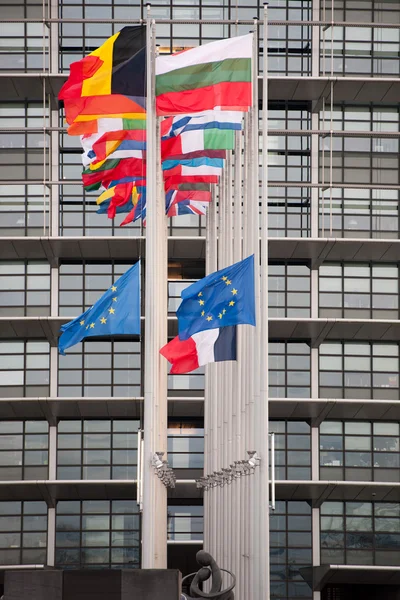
(221, 315)
(103, 319)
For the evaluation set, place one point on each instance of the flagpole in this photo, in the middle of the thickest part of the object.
(154, 520)
(264, 409)
(245, 367)
(236, 367)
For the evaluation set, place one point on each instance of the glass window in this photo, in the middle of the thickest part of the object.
(359, 532)
(92, 449)
(24, 368)
(96, 532)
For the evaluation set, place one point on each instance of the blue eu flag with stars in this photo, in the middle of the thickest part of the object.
(223, 298)
(117, 312)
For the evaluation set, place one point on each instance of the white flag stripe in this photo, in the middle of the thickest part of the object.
(205, 341)
(236, 47)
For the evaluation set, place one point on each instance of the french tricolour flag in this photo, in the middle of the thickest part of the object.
(204, 347)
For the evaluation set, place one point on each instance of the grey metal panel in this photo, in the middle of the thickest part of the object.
(315, 250)
(101, 248)
(17, 86)
(320, 409)
(53, 409)
(319, 577)
(321, 491)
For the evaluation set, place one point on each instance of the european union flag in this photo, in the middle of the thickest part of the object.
(223, 298)
(116, 312)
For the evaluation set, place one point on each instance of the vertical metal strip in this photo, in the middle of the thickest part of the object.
(263, 441)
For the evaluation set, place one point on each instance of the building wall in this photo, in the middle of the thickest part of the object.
(69, 425)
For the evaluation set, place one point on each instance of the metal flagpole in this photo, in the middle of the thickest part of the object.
(237, 372)
(264, 412)
(154, 521)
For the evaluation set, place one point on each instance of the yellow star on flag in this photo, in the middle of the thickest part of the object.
(220, 316)
(111, 311)
(92, 325)
(224, 278)
(115, 299)
(201, 302)
(103, 320)
(82, 322)
(231, 303)
(113, 288)
(228, 282)
(209, 318)
(200, 294)
(87, 326)
(234, 292)
(203, 312)
(224, 311)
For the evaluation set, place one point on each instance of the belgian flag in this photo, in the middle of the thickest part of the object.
(111, 81)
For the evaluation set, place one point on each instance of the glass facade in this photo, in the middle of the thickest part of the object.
(95, 534)
(70, 425)
(360, 533)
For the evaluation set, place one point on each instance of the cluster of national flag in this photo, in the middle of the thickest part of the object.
(202, 93)
(210, 310)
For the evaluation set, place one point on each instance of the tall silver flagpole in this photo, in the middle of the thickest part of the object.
(264, 572)
(154, 521)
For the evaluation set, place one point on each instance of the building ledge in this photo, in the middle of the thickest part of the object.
(384, 90)
(317, 492)
(317, 250)
(312, 331)
(53, 409)
(313, 251)
(318, 577)
(317, 410)
(54, 249)
(53, 490)
(314, 410)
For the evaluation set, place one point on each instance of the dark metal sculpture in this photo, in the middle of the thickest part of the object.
(209, 568)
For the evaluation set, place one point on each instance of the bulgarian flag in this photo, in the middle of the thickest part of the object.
(198, 140)
(214, 345)
(216, 76)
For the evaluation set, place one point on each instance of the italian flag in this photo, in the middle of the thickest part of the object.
(216, 76)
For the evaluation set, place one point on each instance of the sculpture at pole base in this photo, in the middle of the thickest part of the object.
(209, 568)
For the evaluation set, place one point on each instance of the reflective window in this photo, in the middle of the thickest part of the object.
(359, 451)
(23, 46)
(101, 369)
(359, 291)
(289, 370)
(23, 533)
(24, 209)
(290, 549)
(97, 449)
(292, 449)
(185, 446)
(185, 522)
(24, 450)
(288, 160)
(24, 368)
(359, 212)
(359, 370)
(98, 534)
(360, 533)
(24, 288)
(289, 290)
